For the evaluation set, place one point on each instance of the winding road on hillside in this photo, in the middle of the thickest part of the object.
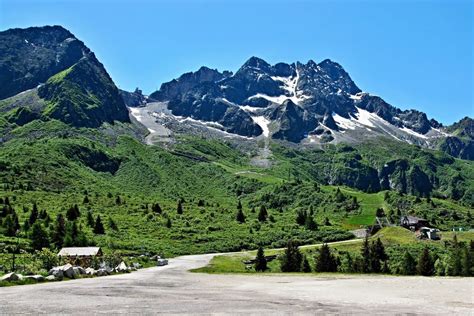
(174, 290)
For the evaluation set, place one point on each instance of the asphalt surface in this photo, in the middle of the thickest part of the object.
(174, 290)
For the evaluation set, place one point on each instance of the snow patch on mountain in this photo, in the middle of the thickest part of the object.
(263, 122)
(217, 125)
(248, 108)
(409, 131)
(136, 113)
(344, 123)
(365, 117)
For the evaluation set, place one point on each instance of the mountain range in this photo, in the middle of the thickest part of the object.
(312, 103)
(49, 76)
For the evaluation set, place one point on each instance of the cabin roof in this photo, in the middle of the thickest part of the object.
(414, 219)
(79, 251)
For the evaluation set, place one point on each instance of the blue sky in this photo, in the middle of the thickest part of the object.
(414, 54)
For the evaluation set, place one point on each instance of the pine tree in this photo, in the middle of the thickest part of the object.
(338, 196)
(179, 208)
(327, 222)
(86, 200)
(425, 263)
(112, 224)
(262, 214)
(81, 239)
(365, 253)
(43, 215)
(291, 259)
(260, 260)
(26, 225)
(456, 258)
(156, 208)
(39, 237)
(99, 227)
(467, 264)
(301, 217)
(90, 219)
(310, 224)
(168, 223)
(325, 261)
(377, 255)
(355, 203)
(306, 268)
(73, 213)
(118, 200)
(380, 250)
(10, 225)
(409, 264)
(59, 232)
(240, 217)
(34, 214)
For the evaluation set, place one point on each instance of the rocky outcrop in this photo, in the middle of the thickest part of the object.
(28, 57)
(404, 177)
(461, 142)
(133, 99)
(179, 87)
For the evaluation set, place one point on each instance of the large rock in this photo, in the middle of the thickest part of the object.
(50, 278)
(90, 271)
(122, 267)
(12, 276)
(76, 271)
(56, 272)
(136, 265)
(102, 272)
(36, 277)
(68, 271)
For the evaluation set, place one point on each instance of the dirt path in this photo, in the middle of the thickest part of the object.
(172, 290)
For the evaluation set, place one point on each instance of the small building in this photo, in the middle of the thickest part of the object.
(413, 223)
(81, 256)
(429, 233)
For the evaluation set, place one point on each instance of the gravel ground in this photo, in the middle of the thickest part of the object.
(174, 290)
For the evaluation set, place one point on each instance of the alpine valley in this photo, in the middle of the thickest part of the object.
(168, 172)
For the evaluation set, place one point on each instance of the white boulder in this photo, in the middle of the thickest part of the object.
(90, 271)
(50, 278)
(122, 267)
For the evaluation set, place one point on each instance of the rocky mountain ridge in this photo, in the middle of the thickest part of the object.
(312, 103)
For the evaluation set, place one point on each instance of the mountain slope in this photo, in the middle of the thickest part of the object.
(67, 81)
(28, 57)
(83, 95)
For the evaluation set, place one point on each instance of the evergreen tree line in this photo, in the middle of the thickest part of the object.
(458, 261)
(65, 231)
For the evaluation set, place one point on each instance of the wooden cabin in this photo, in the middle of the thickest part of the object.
(81, 256)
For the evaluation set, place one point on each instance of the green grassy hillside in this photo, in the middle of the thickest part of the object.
(109, 172)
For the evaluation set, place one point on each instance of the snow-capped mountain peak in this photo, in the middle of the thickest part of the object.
(307, 103)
